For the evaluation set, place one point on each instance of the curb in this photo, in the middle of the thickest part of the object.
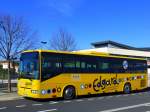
(10, 98)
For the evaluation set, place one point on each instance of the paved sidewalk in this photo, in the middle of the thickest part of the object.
(5, 96)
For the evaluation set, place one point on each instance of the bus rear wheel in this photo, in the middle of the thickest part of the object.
(69, 93)
(127, 88)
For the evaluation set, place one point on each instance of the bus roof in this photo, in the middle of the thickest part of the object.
(91, 53)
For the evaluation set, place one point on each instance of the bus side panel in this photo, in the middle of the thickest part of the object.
(92, 83)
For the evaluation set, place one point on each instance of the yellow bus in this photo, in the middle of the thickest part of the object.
(52, 74)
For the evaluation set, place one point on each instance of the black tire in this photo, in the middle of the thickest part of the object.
(69, 93)
(127, 88)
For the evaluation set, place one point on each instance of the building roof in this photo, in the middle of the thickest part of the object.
(116, 44)
(144, 49)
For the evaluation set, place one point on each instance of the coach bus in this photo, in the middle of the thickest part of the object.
(52, 74)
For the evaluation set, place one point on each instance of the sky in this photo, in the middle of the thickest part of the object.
(123, 21)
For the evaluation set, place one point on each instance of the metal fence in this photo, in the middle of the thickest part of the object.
(4, 80)
(4, 83)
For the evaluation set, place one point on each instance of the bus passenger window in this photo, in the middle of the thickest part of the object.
(78, 64)
(82, 64)
(103, 66)
(58, 65)
(94, 66)
(69, 65)
(46, 64)
(89, 66)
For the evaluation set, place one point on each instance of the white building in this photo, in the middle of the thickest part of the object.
(115, 48)
(5, 65)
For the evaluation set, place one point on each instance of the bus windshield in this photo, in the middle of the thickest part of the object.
(29, 66)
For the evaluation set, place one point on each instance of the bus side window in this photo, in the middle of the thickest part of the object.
(77, 64)
(58, 65)
(70, 64)
(89, 66)
(140, 66)
(104, 66)
(46, 64)
(116, 66)
(83, 65)
(94, 66)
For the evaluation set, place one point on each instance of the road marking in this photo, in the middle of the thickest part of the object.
(140, 93)
(118, 95)
(125, 108)
(126, 95)
(19, 106)
(21, 98)
(91, 99)
(147, 105)
(133, 94)
(3, 108)
(79, 100)
(53, 102)
(50, 110)
(36, 104)
(100, 98)
(109, 97)
(67, 101)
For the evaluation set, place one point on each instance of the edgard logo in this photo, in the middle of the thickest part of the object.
(103, 83)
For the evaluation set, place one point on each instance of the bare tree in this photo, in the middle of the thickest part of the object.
(62, 40)
(15, 37)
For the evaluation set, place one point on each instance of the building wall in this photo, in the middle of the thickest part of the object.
(5, 65)
(128, 52)
(103, 49)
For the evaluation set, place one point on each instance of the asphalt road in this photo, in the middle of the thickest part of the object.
(134, 102)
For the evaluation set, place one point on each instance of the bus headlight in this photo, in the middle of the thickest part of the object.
(43, 91)
(34, 91)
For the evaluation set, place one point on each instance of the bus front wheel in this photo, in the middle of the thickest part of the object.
(127, 88)
(69, 93)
